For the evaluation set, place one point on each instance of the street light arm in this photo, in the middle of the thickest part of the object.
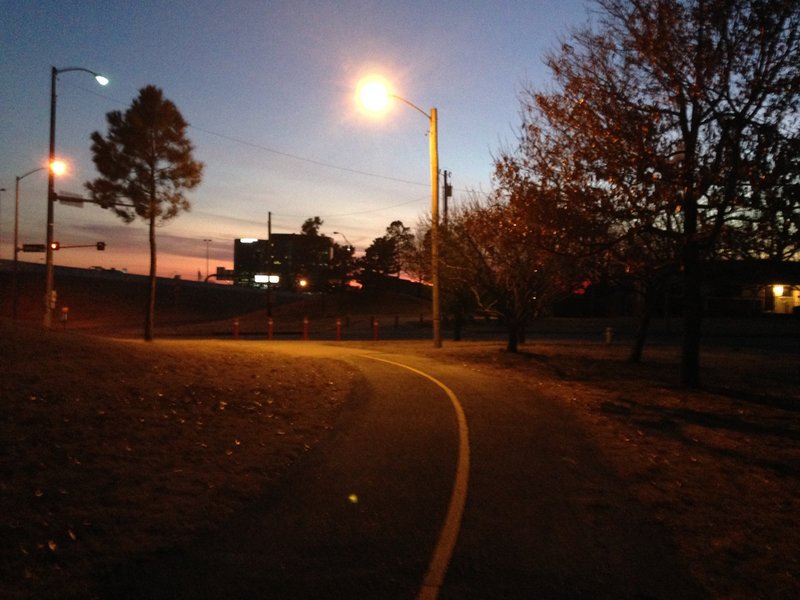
(30, 173)
(411, 104)
(101, 79)
(346, 241)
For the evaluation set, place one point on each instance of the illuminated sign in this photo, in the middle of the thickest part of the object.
(263, 278)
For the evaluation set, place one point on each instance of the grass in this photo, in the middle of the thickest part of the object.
(111, 448)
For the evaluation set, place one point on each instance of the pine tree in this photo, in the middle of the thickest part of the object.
(145, 163)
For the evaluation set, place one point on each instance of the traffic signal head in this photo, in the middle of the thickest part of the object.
(55, 245)
(101, 245)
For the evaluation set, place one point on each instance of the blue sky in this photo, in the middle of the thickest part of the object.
(269, 91)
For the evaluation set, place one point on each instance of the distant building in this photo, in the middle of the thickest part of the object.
(752, 287)
(735, 288)
(288, 261)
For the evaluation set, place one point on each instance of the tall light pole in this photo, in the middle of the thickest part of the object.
(1, 194)
(51, 193)
(374, 96)
(344, 237)
(16, 237)
(207, 241)
(347, 263)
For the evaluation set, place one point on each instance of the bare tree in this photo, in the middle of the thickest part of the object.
(416, 253)
(660, 122)
(494, 252)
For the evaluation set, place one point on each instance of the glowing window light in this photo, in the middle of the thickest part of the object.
(264, 278)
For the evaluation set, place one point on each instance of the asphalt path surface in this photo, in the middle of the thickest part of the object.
(364, 514)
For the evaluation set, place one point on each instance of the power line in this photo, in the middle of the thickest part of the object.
(272, 150)
(306, 160)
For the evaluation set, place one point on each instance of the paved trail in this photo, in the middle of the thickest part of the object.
(362, 516)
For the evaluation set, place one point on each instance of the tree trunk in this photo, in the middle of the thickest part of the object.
(692, 316)
(522, 332)
(151, 301)
(513, 333)
(692, 299)
(644, 323)
(458, 324)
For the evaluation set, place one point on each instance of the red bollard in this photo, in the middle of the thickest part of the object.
(305, 328)
(236, 329)
(338, 330)
(270, 329)
(375, 330)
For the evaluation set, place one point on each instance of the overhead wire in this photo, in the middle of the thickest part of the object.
(293, 157)
(272, 150)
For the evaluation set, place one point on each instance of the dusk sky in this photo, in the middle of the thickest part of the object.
(268, 89)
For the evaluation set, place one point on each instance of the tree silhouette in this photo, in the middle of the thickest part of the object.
(385, 255)
(145, 163)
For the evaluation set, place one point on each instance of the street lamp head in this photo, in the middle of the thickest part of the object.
(101, 79)
(373, 94)
(58, 167)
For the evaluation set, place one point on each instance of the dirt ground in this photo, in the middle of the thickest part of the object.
(720, 468)
(112, 449)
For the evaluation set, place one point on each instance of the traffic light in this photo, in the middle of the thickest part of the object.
(54, 245)
(101, 245)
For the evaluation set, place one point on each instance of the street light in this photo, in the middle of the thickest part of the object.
(346, 263)
(375, 96)
(344, 237)
(51, 194)
(207, 241)
(1, 190)
(16, 237)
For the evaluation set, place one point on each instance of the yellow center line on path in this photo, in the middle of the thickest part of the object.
(452, 523)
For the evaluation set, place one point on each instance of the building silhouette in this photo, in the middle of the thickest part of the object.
(287, 261)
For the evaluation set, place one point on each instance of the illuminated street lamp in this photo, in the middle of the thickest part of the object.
(51, 194)
(374, 96)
